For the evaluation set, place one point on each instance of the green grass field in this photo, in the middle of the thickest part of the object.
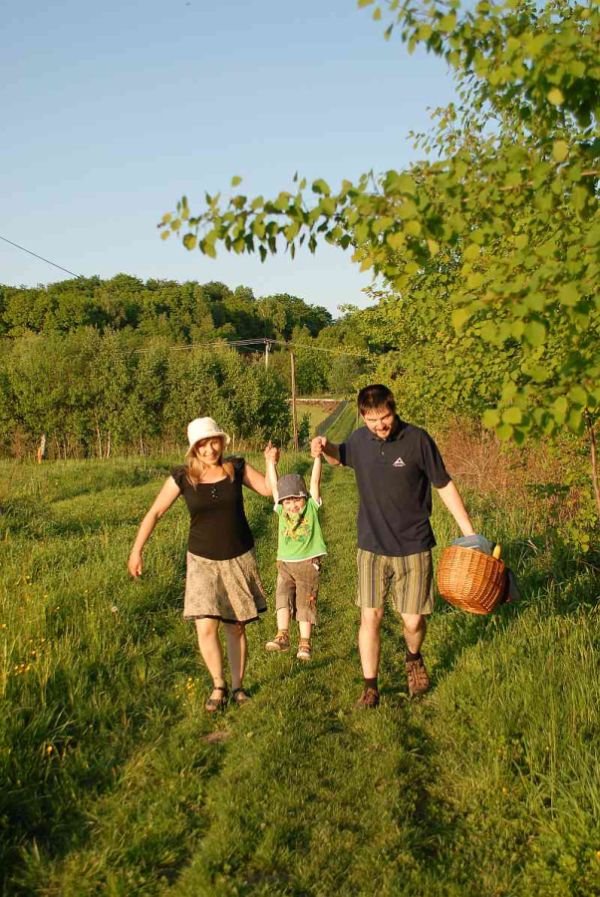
(316, 413)
(115, 782)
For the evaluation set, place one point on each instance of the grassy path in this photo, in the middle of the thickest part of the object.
(115, 782)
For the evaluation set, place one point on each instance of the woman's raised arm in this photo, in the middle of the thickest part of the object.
(255, 480)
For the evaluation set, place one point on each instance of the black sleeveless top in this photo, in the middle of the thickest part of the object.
(218, 526)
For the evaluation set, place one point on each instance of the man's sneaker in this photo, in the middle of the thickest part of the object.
(281, 642)
(418, 677)
(369, 698)
(304, 649)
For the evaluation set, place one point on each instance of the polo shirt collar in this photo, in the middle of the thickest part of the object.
(395, 433)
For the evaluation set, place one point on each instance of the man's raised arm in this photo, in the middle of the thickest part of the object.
(320, 445)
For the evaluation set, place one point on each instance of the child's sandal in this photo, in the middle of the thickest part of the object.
(214, 704)
(304, 650)
(240, 697)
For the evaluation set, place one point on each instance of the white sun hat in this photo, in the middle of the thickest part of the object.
(205, 428)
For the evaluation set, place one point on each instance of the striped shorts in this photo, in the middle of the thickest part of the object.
(407, 581)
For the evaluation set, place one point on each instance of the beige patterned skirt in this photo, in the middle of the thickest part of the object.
(224, 590)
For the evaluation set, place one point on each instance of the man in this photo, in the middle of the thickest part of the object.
(395, 464)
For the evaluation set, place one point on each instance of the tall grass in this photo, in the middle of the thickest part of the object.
(115, 782)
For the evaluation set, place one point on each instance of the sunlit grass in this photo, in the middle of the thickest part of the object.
(115, 782)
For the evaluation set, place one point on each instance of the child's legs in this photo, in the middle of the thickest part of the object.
(285, 596)
(283, 619)
(307, 590)
(305, 629)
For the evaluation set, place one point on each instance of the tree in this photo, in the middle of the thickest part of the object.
(506, 201)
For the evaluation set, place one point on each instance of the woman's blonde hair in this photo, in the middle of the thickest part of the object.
(195, 468)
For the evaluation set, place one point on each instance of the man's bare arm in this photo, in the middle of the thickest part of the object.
(320, 445)
(451, 498)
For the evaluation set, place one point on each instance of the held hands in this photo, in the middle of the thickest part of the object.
(271, 453)
(318, 446)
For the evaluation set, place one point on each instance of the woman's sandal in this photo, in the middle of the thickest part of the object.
(214, 704)
(240, 697)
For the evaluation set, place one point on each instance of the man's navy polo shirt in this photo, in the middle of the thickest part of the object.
(394, 478)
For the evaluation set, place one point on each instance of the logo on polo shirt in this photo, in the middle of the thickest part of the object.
(398, 462)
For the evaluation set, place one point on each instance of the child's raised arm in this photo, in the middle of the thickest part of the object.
(315, 479)
(271, 454)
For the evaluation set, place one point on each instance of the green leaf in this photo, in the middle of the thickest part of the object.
(568, 295)
(235, 180)
(559, 409)
(412, 228)
(512, 415)
(362, 3)
(578, 396)
(406, 184)
(560, 150)
(491, 418)
(471, 252)
(504, 432)
(407, 210)
(395, 240)
(475, 280)
(539, 373)
(489, 332)
(321, 186)
(190, 241)
(535, 333)
(555, 96)
(513, 179)
(521, 241)
(381, 224)
(575, 420)
(447, 23)
(459, 318)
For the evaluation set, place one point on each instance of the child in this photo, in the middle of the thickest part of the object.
(299, 552)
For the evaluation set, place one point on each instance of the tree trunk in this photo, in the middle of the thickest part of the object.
(41, 452)
(591, 428)
(294, 414)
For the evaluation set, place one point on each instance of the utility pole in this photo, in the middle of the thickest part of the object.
(294, 415)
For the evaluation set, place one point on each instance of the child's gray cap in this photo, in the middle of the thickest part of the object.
(291, 486)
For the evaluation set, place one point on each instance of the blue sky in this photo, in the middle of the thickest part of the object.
(112, 111)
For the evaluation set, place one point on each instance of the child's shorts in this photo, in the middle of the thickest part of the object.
(298, 587)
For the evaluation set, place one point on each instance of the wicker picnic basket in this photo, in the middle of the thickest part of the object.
(471, 580)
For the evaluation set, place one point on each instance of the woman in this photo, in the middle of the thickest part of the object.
(222, 582)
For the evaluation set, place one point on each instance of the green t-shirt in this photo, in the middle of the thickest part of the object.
(300, 535)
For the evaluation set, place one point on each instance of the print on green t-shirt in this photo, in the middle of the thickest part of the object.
(300, 535)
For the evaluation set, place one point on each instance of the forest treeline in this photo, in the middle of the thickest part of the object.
(100, 366)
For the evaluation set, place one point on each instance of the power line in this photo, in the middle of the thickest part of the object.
(72, 273)
(251, 343)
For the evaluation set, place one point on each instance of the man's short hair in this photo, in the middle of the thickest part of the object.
(376, 396)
